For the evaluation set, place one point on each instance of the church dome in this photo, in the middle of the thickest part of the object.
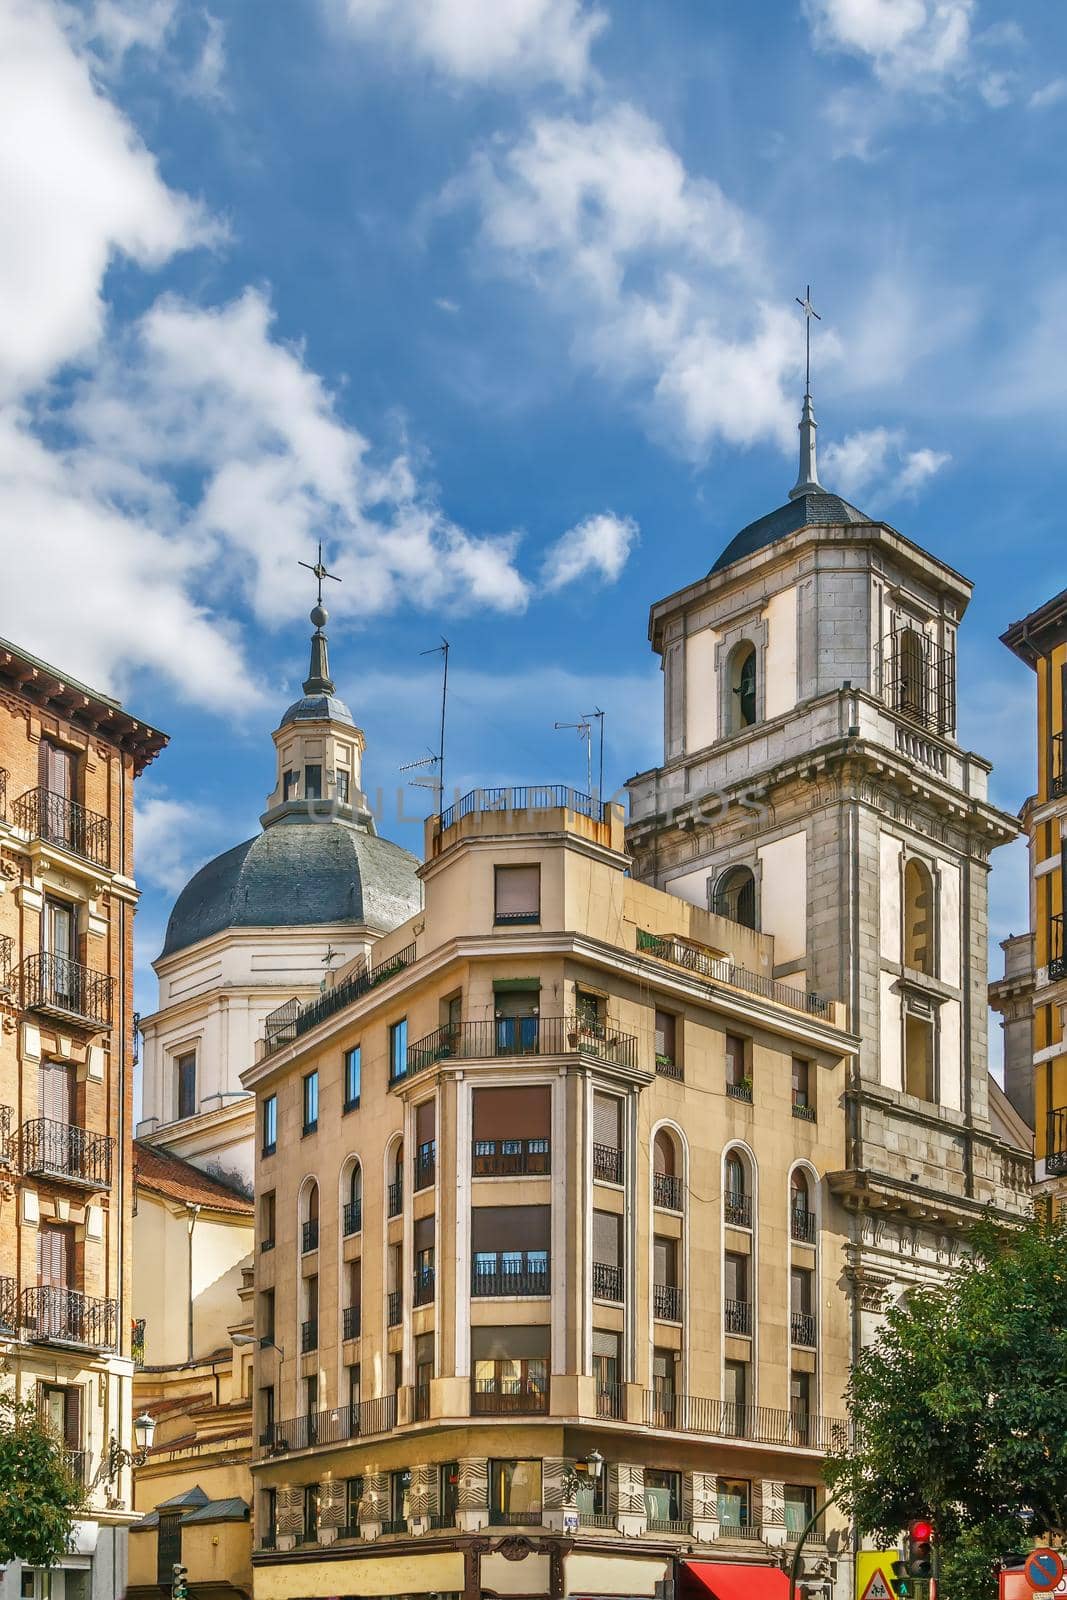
(318, 708)
(804, 511)
(298, 873)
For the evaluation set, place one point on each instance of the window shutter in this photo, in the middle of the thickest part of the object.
(424, 1122)
(607, 1238)
(425, 1232)
(513, 1113)
(510, 1227)
(518, 891)
(663, 1256)
(518, 1343)
(665, 1034)
(607, 1120)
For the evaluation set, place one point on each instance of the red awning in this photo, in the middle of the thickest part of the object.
(732, 1580)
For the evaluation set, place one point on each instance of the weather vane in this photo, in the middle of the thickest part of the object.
(809, 312)
(320, 571)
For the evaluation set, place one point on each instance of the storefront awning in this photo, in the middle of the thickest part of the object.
(731, 1580)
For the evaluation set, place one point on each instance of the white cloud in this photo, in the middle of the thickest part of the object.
(917, 45)
(660, 273)
(875, 459)
(507, 40)
(77, 187)
(115, 27)
(173, 837)
(598, 547)
(1050, 94)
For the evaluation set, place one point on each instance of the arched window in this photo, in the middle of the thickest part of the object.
(735, 896)
(666, 1184)
(801, 1212)
(353, 1200)
(309, 1233)
(911, 673)
(737, 1200)
(741, 679)
(663, 1152)
(396, 1185)
(918, 917)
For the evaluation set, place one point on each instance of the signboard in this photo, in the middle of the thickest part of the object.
(1043, 1570)
(875, 1567)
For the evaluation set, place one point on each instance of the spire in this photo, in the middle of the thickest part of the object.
(318, 680)
(808, 476)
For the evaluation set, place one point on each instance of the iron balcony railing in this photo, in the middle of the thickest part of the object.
(802, 1224)
(737, 1208)
(54, 984)
(522, 797)
(721, 969)
(60, 1150)
(684, 1413)
(595, 1519)
(510, 1158)
(667, 1191)
(425, 1164)
(667, 1067)
(395, 1525)
(309, 1235)
(394, 1307)
(7, 1141)
(309, 1335)
(507, 1397)
(919, 679)
(7, 955)
(609, 1400)
(77, 1465)
(353, 1217)
(66, 1316)
(607, 1163)
(395, 1198)
(739, 1530)
(740, 1091)
(291, 1020)
(607, 1282)
(510, 1273)
(1057, 956)
(737, 1316)
(1058, 770)
(351, 1318)
(522, 1036)
(442, 1519)
(803, 1112)
(9, 1305)
(333, 1427)
(424, 1286)
(1056, 1141)
(530, 1518)
(667, 1302)
(59, 821)
(802, 1328)
(667, 1525)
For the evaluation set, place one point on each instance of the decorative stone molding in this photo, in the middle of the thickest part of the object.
(772, 1512)
(472, 1494)
(871, 1287)
(332, 1499)
(290, 1510)
(554, 1495)
(630, 1516)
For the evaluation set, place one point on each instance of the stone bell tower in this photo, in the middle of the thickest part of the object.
(812, 786)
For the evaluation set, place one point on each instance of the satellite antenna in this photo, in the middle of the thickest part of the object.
(584, 730)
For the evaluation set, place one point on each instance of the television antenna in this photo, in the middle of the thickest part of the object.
(584, 730)
(435, 759)
(598, 715)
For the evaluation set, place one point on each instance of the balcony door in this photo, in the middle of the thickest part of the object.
(56, 1314)
(56, 1092)
(59, 935)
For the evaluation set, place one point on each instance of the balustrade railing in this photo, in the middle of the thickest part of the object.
(289, 1022)
(1058, 770)
(425, 1164)
(7, 956)
(667, 1302)
(1057, 953)
(8, 1151)
(802, 1224)
(309, 1235)
(66, 1316)
(492, 1038)
(510, 1158)
(424, 1286)
(802, 1328)
(9, 1304)
(609, 1400)
(395, 1198)
(58, 1149)
(607, 1281)
(352, 1221)
(510, 1273)
(737, 1316)
(607, 1163)
(394, 1307)
(522, 797)
(333, 1427)
(309, 1335)
(56, 820)
(530, 1518)
(350, 1322)
(54, 984)
(506, 1397)
(667, 1191)
(799, 1429)
(721, 969)
(737, 1208)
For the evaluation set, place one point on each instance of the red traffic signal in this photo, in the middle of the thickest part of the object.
(919, 1558)
(922, 1531)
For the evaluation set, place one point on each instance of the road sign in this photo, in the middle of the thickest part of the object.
(877, 1587)
(1043, 1570)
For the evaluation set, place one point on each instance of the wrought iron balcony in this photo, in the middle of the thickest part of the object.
(796, 1428)
(3, 794)
(737, 1316)
(1056, 1142)
(1058, 770)
(510, 1158)
(60, 1150)
(667, 1191)
(667, 1302)
(607, 1163)
(1057, 956)
(802, 1328)
(802, 1224)
(56, 820)
(720, 969)
(919, 679)
(740, 1091)
(66, 1316)
(309, 1235)
(54, 985)
(309, 1335)
(353, 1217)
(522, 1036)
(425, 1164)
(395, 1199)
(351, 1318)
(290, 1021)
(77, 1465)
(9, 1305)
(333, 1427)
(530, 1518)
(607, 1282)
(737, 1208)
(507, 1273)
(609, 1399)
(395, 1307)
(508, 1397)
(803, 1112)
(424, 1286)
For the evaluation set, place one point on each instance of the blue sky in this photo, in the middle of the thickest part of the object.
(498, 300)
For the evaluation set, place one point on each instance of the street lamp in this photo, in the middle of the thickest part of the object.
(117, 1457)
(263, 1344)
(582, 1472)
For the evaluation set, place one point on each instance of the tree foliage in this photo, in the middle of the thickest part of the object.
(40, 1497)
(959, 1408)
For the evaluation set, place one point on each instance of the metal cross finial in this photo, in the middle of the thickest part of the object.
(320, 571)
(809, 312)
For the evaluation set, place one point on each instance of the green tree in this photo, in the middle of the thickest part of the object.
(959, 1408)
(39, 1496)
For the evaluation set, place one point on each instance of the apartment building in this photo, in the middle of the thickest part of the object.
(68, 759)
(1035, 981)
(547, 1272)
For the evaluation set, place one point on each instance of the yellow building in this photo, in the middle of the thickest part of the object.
(68, 759)
(548, 1279)
(1040, 640)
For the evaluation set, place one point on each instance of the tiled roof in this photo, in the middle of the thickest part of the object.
(234, 1510)
(806, 510)
(163, 1173)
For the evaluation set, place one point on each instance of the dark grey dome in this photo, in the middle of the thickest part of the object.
(296, 874)
(828, 509)
(316, 708)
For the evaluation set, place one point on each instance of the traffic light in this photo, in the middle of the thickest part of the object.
(919, 1550)
(902, 1586)
(179, 1583)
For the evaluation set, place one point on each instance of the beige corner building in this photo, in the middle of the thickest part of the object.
(547, 1288)
(68, 759)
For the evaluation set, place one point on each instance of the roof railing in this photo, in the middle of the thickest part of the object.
(285, 1025)
(523, 797)
(722, 970)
